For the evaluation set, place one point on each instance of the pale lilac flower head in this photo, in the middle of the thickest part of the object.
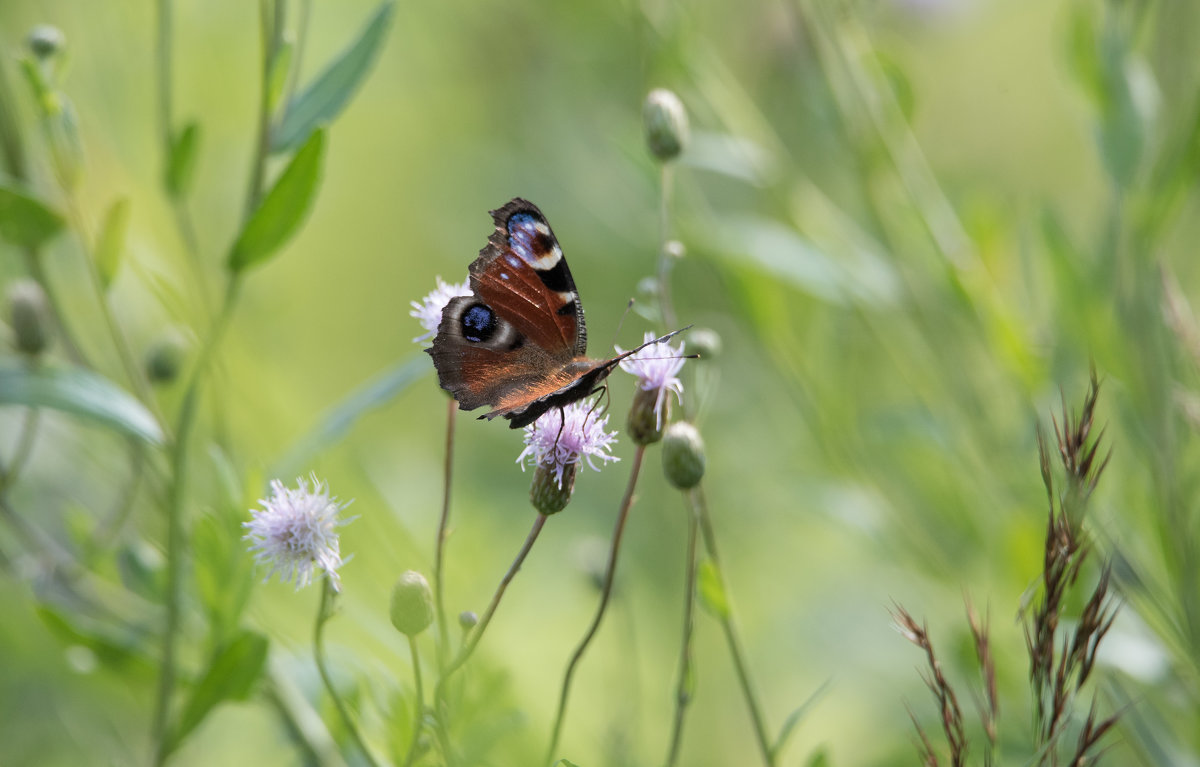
(657, 368)
(565, 436)
(294, 533)
(429, 311)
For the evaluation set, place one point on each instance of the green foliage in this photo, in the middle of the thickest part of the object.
(79, 392)
(110, 244)
(323, 99)
(181, 160)
(230, 675)
(282, 209)
(24, 219)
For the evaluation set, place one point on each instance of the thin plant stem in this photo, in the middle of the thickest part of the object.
(133, 370)
(439, 693)
(419, 715)
(323, 614)
(477, 633)
(298, 55)
(175, 526)
(683, 690)
(24, 447)
(666, 306)
(109, 530)
(272, 13)
(605, 596)
(439, 600)
(700, 509)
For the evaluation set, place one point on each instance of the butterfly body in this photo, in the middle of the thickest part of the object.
(518, 343)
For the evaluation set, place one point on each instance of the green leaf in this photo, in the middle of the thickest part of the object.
(230, 676)
(111, 242)
(712, 589)
(789, 725)
(339, 419)
(25, 220)
(181, 165)
(326, 96)
(79, 392)
(565, 763)
(283, 209)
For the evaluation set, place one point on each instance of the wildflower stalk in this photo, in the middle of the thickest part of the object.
(696, 498)
(175, 543)
(464, 653)
(666, 306)
(328, 594)
(606, 594)
(684, 687)
(443, 644)
(419, 708)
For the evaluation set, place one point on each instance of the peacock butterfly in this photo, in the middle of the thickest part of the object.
(519, 343)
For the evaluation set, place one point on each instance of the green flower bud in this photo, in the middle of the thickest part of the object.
(467, 619)
(643, 422)
(546, 494)
(704, 341)
(683, 455)
(165, 357)
(30, 316)
(666, 124)
(44, 41)
(412, 604)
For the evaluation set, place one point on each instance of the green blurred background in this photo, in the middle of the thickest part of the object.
(912, 223)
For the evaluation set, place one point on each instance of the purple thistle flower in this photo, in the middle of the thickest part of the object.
(429, 311)
(295, 532)
(561, 437)
(657, 368)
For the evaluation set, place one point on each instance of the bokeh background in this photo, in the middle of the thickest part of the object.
(914, 224)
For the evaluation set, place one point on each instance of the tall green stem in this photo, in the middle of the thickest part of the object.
(606, 594)
(323, 614)
(419, 707)
(683, 689)
(175, 526)
(700, 509)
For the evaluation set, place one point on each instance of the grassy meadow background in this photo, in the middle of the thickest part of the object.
(915, 225)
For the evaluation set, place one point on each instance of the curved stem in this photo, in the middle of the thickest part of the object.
(683, 689)
(419, 715)
(606, 594)
(24, 447)
(700, 509)
(323, 614)
(439, 601)
(439, 693)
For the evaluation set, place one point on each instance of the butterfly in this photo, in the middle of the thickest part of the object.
(519, 343)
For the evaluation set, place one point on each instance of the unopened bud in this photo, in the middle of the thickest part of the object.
(547, 494)
(412, 604)
(30, 314)
(645, 424)
(467, 619)
(165, 357)
(44, 41)
(666, 124)
(683, 455)
(704, 341)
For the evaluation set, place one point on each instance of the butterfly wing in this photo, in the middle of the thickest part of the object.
(520, 339)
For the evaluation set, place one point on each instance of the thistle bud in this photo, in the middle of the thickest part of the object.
(30, 315)
(666, 124)
(683, 455)
(704, 341)
(467, 619)
(645, 423)
(165, 357)
(548, 494)
(412, 604)
(44, 41)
